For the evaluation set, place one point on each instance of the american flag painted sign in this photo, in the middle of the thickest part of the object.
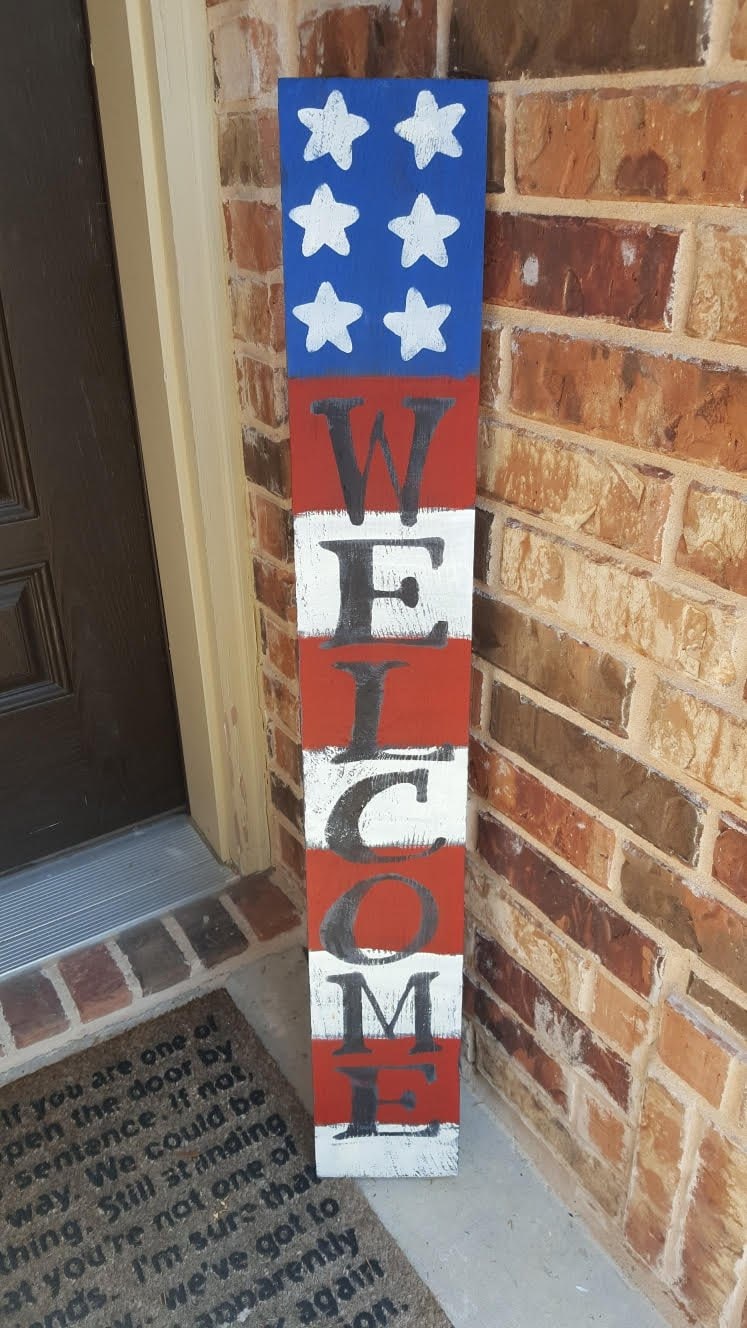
(383, 187)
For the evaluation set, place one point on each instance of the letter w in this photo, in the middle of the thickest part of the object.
(428, 412)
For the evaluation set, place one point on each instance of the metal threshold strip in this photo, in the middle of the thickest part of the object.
(79, 897)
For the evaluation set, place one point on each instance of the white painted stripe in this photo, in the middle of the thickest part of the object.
(387, 982)
(408, 1154)
(393, 816)
(444, 592)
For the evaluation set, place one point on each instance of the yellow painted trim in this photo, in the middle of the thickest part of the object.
(151, 62)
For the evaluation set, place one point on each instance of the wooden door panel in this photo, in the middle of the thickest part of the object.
(88, 738)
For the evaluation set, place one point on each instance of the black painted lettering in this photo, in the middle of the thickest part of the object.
(358, 593)
(428, 412)
(369, 682)
(354, 987)
(366, 1100)
(342, 831)
(337, 930)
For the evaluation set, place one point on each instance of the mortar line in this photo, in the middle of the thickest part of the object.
(671, 577)
(610, 449)
(674, 216)
(722, 13)
(673, 1251)
(661, 344)
(683, 280)
(120, 958)
(722, 71)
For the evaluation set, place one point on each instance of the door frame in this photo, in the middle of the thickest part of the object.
(154, 81)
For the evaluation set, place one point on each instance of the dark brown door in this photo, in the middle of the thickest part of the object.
(88, 737)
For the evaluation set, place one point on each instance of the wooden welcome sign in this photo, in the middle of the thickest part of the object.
(383, 199)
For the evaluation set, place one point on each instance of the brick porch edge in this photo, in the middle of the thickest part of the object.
(48, 1009)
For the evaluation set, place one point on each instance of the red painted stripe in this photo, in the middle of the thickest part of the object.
(437, 1100)
(389, 914)
(449, 474)
(426, 703)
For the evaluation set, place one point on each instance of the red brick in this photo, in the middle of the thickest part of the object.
(262, 391)
(490, 364)
(31, 1008)
(280, 701)
(273, 528)
(605, 1130)
(267, 909)
(96, 982)
(718, 304)
(697, 922)
(693, 1047)
(267, 462)
(520, 38)
(700, 739)
(275, 587)
(496, 143)
(211, 932)
(589, 921)
(540, 1010)
(674, 143)
(656, 1173)
(286, 801)
(623, 505)
(253, 233)
(611, 780)
(154, 957)
(553, 662)
(517, 1042)
(617, 1015)
(714, 537)
(248, 149)
(287, 754)
(592, 592)
(733, 1014)
(292, 853)
(257, 308)
(370, 41)
(541, 1115)
(730, 856)
(475, 697)
(715, 1227)
(533, 942)
(562, 825)
(279, 646)
(580, 267)
(483, 528)
(682, 408)
(245, 59)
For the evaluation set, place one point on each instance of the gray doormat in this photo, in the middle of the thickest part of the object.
(165, 1179)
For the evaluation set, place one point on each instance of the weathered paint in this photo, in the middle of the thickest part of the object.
(383, 185)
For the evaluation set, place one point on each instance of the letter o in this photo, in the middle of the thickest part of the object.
(336, 930)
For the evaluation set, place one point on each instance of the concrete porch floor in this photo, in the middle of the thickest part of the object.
(496, 1247)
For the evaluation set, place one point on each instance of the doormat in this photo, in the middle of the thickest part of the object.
(165, 1179)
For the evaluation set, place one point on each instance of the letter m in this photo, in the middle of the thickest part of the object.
(354, 986)
(428, 412)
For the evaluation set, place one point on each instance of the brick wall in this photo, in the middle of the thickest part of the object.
(607, 893)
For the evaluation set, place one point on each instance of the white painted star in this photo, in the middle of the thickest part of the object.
(417, 325)
(333, 131)
(324, 221)
(430, 129)
(424, 232)
(327, 319)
